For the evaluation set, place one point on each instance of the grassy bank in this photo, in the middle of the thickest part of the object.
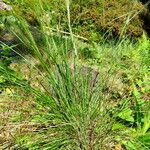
(71, 94)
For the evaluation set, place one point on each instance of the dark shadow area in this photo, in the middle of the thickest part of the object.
(146, 18)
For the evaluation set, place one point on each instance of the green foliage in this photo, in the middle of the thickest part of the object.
(79, 107)
(126, 114)
(137, 122)
(8, 76)
(6, 54)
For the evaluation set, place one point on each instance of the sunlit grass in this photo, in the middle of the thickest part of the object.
(75, 96)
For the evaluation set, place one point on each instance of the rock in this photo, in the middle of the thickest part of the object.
(4, 6)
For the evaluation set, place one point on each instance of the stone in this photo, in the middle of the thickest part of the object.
(4, 6)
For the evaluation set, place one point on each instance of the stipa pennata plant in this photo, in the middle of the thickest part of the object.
(77, 111)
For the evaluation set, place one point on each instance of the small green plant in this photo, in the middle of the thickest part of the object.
(7, 54)
(136, 122)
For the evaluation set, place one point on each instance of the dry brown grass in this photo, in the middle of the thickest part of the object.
(16, 109)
